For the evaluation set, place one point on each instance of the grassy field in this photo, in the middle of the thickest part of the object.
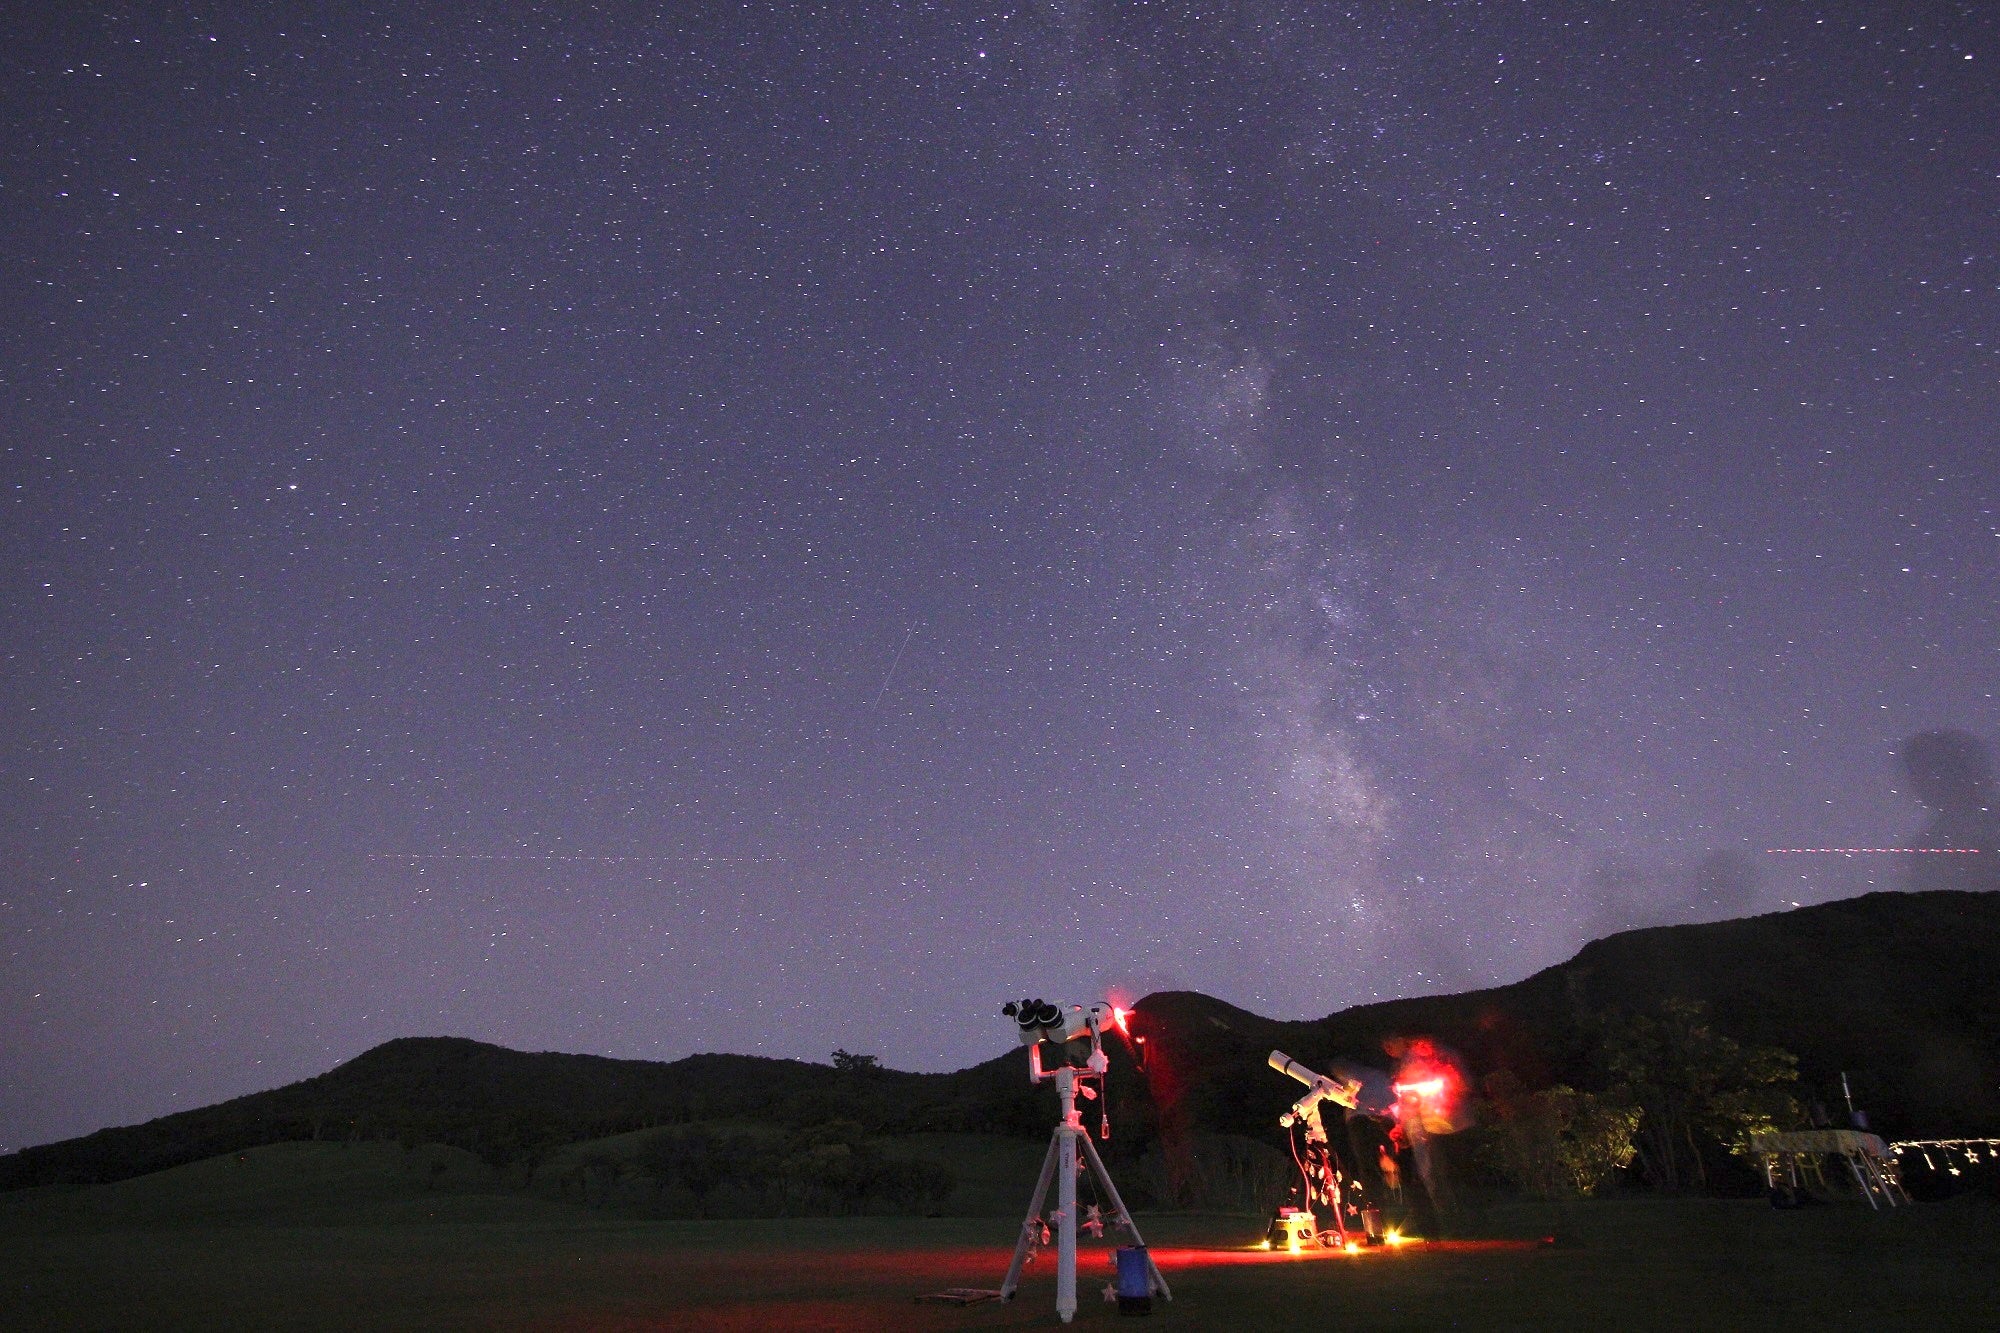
(992, 1174)
(321, 1236)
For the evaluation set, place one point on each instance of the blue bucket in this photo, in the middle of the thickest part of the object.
(1135, 1281)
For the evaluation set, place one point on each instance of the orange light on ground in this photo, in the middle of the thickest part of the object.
(1175, 1259)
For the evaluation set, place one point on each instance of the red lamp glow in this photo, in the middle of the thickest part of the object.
(1430, 1088)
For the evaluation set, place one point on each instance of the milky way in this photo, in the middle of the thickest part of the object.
(768, 532)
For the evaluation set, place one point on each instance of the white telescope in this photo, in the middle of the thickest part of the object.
(1324, 1183)
(1070, 1149)
(1038, 1021)
(1341, 1092)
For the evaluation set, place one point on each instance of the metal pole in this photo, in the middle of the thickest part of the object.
(1032, 1221)
(1072, 1126)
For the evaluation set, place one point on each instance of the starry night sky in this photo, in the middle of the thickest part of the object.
(759, 530)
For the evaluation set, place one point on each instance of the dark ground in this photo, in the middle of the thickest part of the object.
(319, 1236)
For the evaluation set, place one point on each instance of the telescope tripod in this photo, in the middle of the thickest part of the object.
(1325, 1184)
(1060, 1165)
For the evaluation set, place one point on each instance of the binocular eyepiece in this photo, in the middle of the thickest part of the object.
(1036, 1019)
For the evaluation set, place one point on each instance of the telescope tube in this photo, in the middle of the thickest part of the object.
(1284, 1064)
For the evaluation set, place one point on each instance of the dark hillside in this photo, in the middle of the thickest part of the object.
(1900, 990)
(513, 1108)
(1897, 989)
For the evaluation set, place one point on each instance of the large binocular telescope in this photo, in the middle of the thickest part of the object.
(1038, 1020)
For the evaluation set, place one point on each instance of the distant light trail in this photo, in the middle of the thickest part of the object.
(894, 662)
(1877, 851)
(504, 856)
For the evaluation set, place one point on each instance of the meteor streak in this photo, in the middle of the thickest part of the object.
(890, 675)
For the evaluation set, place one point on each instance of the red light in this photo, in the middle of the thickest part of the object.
(1430, 1088)
(1119, 1017)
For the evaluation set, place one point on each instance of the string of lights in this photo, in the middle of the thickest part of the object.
(1968, 1150)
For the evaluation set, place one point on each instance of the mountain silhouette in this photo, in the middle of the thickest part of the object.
(1897, 990)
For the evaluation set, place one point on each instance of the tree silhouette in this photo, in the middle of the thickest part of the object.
(1693, 1085)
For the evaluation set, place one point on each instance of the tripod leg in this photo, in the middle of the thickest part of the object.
(1066, 1139)
(1034, 1215)
(1123, 1215)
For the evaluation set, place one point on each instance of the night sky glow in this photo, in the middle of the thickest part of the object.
(763, 530)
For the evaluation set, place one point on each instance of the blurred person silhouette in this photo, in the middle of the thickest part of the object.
(1392, 1175)
(1431, 1102)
